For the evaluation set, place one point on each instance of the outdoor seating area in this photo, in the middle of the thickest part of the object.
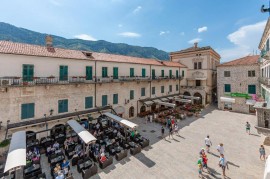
(84, 145)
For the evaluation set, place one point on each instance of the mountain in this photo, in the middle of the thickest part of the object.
(16, 34)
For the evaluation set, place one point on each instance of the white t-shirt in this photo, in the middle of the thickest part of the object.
(207, 141)
(220, 149)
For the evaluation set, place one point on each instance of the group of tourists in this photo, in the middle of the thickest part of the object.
(172, 126)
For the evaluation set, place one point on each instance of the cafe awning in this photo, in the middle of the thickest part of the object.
(86, 136)
(164, 99)
(170, 98)
(121, 120)
(250, 102)
(183, 100)
(157, 101)
(167, 104)
(228, 100)
(148, 103)
(17, 151)
(189, 97)
(267, 168)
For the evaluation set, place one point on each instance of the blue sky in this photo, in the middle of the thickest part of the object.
(232, 27)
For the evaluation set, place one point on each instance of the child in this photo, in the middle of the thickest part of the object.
(200, 167)
(248, 128)
(205, 159)
(262, 152)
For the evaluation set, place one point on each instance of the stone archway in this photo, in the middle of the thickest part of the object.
(197, 101)
(186, 93)
(142, 109)
(131, 112)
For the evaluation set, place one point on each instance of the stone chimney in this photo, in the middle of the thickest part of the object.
(196, 44)
(49, 41)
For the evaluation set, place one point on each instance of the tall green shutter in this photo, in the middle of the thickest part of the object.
(153, 90)
(162, 89)
(170, 73)
(177, 73)
(170, 88)
(183, 73)
(143, 72)
(63, 106)
(104, 100)
(227, 88)
(104, 72)
(142, 91)
(115, 72)
(177, 87)
(63, 73)
(89, 73)
(131, 94)
(28, 72)
(115, 98)
(131, 72)
(162, 73)
(27, 111)
(251, 89)
(88, 102)
(153, 74)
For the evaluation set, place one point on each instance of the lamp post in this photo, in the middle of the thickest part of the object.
(8, 121)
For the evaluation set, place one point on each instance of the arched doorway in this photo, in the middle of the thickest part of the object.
(153, 107)
(131, 112)
(198, 101)
(143, 109)
(186, 93)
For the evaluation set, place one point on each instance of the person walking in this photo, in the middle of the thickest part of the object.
(205, 160)
(208, 143)
(176, 129)
(220, 149)
(262, 152)
(200, 170)
(223, 164)
(248, 128)
(168, 122)
(171, 132)
(162, 132)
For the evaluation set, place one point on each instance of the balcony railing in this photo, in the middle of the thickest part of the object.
(265, 54)
(193, 87)
(265, 81)
(166, 77)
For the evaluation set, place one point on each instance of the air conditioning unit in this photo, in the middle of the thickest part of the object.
(5, 82)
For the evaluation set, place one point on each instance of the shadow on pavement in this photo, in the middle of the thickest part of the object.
(214, 154)
(255, 135)
(230, 163)
(145, 160)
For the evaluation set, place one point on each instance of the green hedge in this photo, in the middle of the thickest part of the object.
(5, 143)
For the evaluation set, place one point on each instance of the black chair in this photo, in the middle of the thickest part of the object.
(89, 172)
(78, 165)
(144, 143)
(135, 150)
(74, 161)
(121, 155)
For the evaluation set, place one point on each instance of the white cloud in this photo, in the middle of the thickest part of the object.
(202, 29)
(164, 32)
(245, 41)
(120, 25)
(137, 9)
(182, 33)
(129, 34)
(55, 2)
(194, 40)
(85, 37)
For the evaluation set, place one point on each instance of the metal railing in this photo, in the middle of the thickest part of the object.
(193, 87)
(264, 80)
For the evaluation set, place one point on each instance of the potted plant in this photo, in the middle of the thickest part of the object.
(25, 83)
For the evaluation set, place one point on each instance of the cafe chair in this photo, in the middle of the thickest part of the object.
(89, 172)
(74, 161)
(105, 164)
(135, 150)
(121, 155)
(144, 143)
(78, 165)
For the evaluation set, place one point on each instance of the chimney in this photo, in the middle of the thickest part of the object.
(196, 44)
(49, 41)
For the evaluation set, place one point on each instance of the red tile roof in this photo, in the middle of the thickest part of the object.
(173, 64)
(248, 60)
(8, 47)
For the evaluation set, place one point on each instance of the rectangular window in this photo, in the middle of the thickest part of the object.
(195, 65)
(153, 74)
(183, 73)
(251, 73)
(63, 76)
(62, 106)
(162, 89)
(142, 91)
(176, 87)
(131, 94)
(251, 89)
(199, 65)
(177, 73)
(104, 72)
(104, 100)
(28, 72)
(153, 90)
(170, 73)
(162, 73)
(143, 72)
(115, 72)
(115, 98)
(88, 102)
(131, 74)
(227, 88)
(227, 73)
(27, 110)
(89, 73)
(170, 88)
(267, 45)
(198, 82)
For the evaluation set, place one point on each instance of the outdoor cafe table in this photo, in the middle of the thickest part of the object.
(31, 169)
(118, 149)
(31, 144)
(85, 165)
(57, 159)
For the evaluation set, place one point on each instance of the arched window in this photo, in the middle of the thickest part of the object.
(131, 111)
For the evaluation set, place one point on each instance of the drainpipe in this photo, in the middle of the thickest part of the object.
(95, 83)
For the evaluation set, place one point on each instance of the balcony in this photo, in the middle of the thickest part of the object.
(167, 78)
(193, 87)
(265, 54)
(265, 81)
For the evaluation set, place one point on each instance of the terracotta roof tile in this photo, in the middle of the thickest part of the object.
(248, 60)
(173, 64)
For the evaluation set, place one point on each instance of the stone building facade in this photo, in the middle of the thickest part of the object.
(201, 74)
(238, 85)
(43, 86)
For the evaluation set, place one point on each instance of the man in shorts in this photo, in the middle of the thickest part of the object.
(248, 128)
(223, 164)
(208, 143)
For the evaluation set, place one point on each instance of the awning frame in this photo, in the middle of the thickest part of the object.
(226, 99)
(120, 120)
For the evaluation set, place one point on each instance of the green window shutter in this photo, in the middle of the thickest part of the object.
(162, 73)
(177, 87)
(170, 88)
(115, 72)
(153, 90)
(131, 95)
(131, 72)
(143, 72)
(183, 73)
(63, 106)
(251, 89)
(227, 88)
(153, 74)
(104, 72)
(170, 73)
(104, 100)
(27, 110)
(115, 98)
(88, 102)
(63, 73)
(28, 72)
(177, 73)
(89, 73)
(162, 89)
(142, 91)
